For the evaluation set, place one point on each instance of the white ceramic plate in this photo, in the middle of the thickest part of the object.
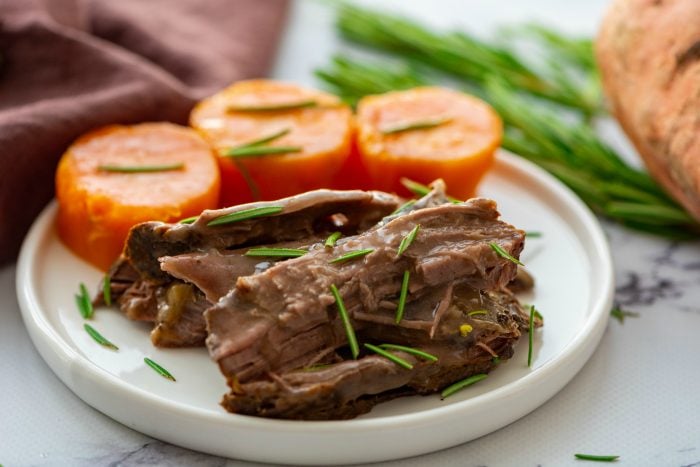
(572, 267)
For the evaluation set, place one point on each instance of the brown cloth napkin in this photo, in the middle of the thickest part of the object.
(67, 66)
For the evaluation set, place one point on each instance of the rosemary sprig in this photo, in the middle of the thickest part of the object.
(99, 338)
(459, 385)
(188, 220)
(404, 207)
(141, 168)
(254, 151)
(248, 178)
(530, 333)
(251, 213)
(408, 240)
(349, 331)
(352, 255)
(390, 356)
(265, 139)
(276, 252)
(533, 234)
(477, 312)
(415, 125)
(274, 107)
(159, 369)
(591, 457)
(421, 190)
(411, 350)
(107, 290)
(620, 314)
(504, 254)
(332, 238)
(402, 296)
(82, 300)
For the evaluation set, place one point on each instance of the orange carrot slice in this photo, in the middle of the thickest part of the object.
(115, 177)
(424, 134)
(316, 125)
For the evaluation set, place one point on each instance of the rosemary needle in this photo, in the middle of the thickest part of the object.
(274, 107)
(159, 369)
(530, 332)
(407, 240)
(352, 255)
(82, 300)
(251, 213)
(349, 331)
(107, 290)
(390, 356)
(416, 125)
(620, 314)
(533, 234)
(591, 457)
(477, 312)
(419, 189)
(402, 296)
(99, 338)
(188, 220)
(459, 385)
(504, 254)
(411, 350)
(252, 151)
(141, 168)
(265, 139)
(276, 252)
(332, 238)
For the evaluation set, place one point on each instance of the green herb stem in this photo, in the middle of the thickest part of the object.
(246, 214)
(620, 314)
(99, 338)
(390, 356)
(107, 290)
(332, 238)
(349, 331)
(274, 107)
(265, 139)
(459, 385)
(159, 369)
(276, 252)
(188, 220)
(256, 151)
(408, 240)
(415, 125)
(421, 190)
(402, 296)
(530, 334)
(141, 168)
(533, 234)
(83, 302)
(504, 254)
(410, 350)
(352, 255)
(477, 312)
(591, 457)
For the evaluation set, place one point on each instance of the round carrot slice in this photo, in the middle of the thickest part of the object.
(115, 177)
(314, 127)
(427, 133)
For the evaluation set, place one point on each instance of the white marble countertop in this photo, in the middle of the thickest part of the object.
(638, 396)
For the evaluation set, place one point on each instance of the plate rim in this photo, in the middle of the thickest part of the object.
(53, 347)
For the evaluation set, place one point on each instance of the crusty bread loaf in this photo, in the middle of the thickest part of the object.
(648, 52)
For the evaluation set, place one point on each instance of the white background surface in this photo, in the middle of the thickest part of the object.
(639, 395)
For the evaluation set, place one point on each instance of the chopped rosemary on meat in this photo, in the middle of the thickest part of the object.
(332, 238)
(159, 369)
(390, 356)
(620, 314)
(539, 316)
(533, 234)
(416, 125)
(591, 457)
(504, 254)
(407, 240)
(404, 206)
(276, 252)
(349, 331)
(411, 350)
(402, 296)
(465, 329)
(188, 220)
(251, 213)
(99, 338)
(265, 139)
(141, 168)
(477, 312)
(459, 385)
(273, 107)
(421, 190)
(495, 360)
(352, 255)
(82, 300)
(530, 332)
(248, 179)
(107, 290)
(252, 151)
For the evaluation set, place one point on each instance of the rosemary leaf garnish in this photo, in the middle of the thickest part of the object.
(530, 332)
(352, 255)
(591, 457)
(421, 190)
(459, 385)
(495, 360)
(539, 316)
(332, 238)
(405, 206)
(620, 314)
(276, 252)
(477, 312)
(411, 350)
(141, 168)
(253, 151)
(273, 107)
(416, 125)
(402, 296)
(504, 254)
(159, 369)
(265, 139)
(407, 240)
(251, 213)
(188, 220)
(533, 234)
(248, 179)
(107, 290)
(99, 338)
(390, 356)
(82, 300)
(349, 331)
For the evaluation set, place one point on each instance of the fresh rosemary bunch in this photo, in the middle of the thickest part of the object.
(569, 149)
(478, 61)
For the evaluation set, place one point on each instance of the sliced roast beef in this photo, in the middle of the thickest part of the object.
(284, 317)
